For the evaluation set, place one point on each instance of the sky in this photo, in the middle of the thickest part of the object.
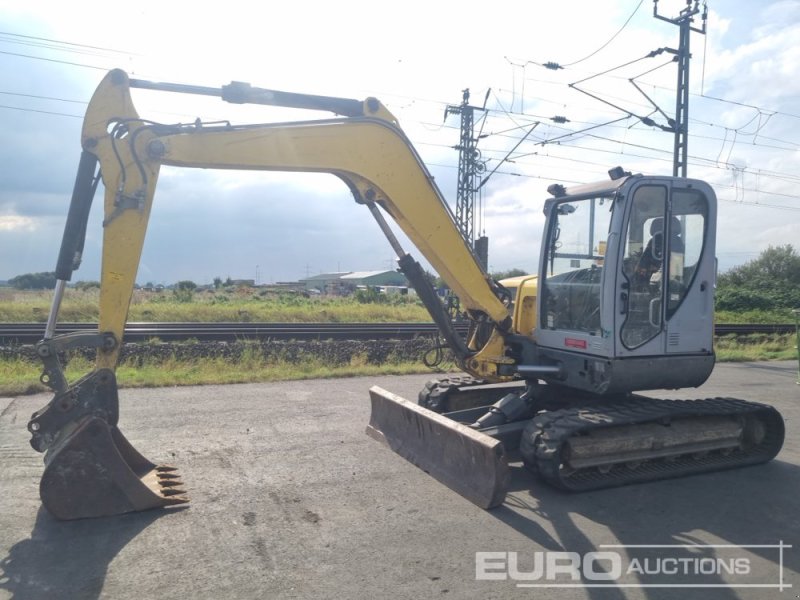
(744, 130)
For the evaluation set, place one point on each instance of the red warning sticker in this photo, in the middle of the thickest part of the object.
(573, 343)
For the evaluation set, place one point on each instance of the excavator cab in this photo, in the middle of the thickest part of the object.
(627, 274)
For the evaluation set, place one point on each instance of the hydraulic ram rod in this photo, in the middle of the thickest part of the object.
(239, 92)
(69, 257)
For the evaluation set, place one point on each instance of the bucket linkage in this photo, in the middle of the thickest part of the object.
(91, 469)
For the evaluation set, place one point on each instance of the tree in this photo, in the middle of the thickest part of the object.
(508, 274)
(34, 281)
(186, 285)
(184, 290)
(776, 263)
(769, 282)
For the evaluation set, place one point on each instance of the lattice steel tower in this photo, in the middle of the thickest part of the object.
(680, 126)
(469, 167)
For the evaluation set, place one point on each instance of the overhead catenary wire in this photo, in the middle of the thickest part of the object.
(525, 126)
(53, 60)
(763, 110)
(44, 112)
(416, 98)
(763, 119)
(38, 97)
(613, 37)
(34, 38)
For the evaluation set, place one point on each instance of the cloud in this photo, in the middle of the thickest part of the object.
(225, 224)
(207, 223)
(16, 223)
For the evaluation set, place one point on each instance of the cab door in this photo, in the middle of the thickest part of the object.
(665, 277)
(691, 269)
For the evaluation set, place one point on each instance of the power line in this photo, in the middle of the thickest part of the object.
(660, 87)
(613, 37)
(37, 97)
(46, 112)
(50, 40)
(724, 140)
(698, 161)
(63, 62)
(521, 126)
(509, 113)
(734, 102)
(413, 98)
(704, 162)
(552, 141)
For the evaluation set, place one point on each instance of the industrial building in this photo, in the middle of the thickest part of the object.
(347, 282)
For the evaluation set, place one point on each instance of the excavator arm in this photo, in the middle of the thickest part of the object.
(368, 151)
(365, 148)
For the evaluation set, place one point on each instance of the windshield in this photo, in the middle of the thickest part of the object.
(575, 255)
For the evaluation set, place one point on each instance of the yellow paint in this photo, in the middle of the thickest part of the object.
(372, 154)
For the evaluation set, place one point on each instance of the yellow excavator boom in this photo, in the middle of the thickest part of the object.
(370, 153)
(365, 148)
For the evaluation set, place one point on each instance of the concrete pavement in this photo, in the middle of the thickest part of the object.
(290, 499)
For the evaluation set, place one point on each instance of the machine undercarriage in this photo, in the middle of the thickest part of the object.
(577, 442)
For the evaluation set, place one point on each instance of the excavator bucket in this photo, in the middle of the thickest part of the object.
(465, 460)
(95, 472)
(91, 470)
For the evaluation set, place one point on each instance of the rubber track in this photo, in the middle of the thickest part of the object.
(434, 395)
(544, 438)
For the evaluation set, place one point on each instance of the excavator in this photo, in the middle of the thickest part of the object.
(623, 302)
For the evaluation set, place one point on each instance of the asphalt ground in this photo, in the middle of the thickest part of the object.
(290, 499)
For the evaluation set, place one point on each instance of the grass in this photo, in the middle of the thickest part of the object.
(219, 371)
(733, 348)
(18, 376)
(245, 304)
(761, 317)
(230, 305)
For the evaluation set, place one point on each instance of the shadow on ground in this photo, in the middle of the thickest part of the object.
(68, 559)
(752, 505)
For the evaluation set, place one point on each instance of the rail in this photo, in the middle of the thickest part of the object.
(30, 333)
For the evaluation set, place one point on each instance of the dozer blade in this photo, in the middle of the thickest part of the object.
(467, 461)
(93, 471)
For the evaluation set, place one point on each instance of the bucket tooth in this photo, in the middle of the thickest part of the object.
(467, 461)
(170, 483)
(93, 471)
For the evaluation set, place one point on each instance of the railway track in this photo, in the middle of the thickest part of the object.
(30, 333)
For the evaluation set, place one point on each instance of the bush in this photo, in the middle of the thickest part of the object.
(770, 282)
(184, 291)
(34, 281)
